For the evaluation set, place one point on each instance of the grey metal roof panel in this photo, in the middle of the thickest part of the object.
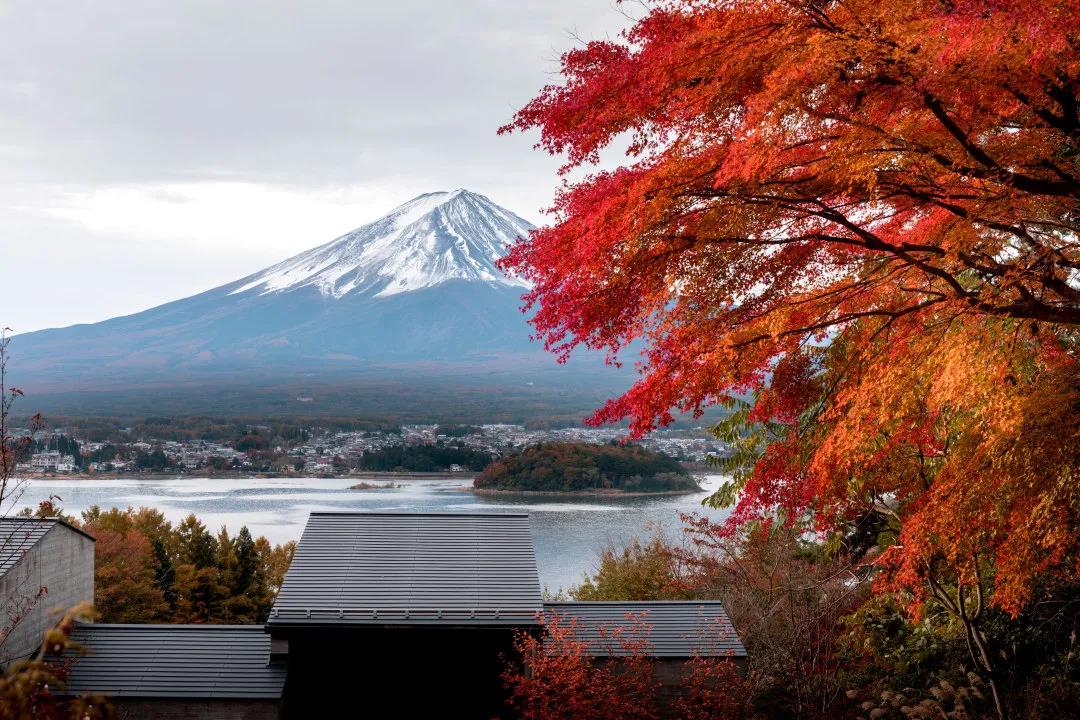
(175, 661)
(16, 537)
(19, 534)
(666, 628)
(411, 569)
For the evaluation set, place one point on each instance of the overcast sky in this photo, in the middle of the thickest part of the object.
(151, 150)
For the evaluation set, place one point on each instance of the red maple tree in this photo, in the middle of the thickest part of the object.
(561, 680)
(864, 216)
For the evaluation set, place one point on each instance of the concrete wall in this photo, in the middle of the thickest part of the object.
(192, 709)
(61, 563)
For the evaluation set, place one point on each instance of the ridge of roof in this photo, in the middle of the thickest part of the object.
(719, 603)
(169, 626)
(49, 521)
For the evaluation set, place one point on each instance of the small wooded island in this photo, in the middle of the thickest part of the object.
(568, 467)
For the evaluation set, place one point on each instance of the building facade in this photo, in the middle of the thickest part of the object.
(46, 568)
(396, 614)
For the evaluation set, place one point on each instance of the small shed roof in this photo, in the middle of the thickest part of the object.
(175, 661)
(665, 628)
(19, 534)
(411, 569)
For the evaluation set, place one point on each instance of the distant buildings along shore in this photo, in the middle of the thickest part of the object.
(256, 448)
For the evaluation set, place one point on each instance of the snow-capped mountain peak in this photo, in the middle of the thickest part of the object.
(429, 240)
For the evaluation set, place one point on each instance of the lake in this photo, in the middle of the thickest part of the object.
(569, 532)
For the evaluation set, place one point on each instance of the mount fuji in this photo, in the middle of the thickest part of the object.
(430, 240)
(413, 297)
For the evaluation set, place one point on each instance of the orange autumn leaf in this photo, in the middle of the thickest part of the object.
(865, 214)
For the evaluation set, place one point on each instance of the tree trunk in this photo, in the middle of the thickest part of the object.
(978, 647)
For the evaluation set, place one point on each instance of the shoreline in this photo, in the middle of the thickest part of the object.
(599, 492)
(365, 475)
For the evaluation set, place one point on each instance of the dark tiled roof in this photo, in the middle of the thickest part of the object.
(411, 569)
(668, 628)
(175, 661)
(17, 535)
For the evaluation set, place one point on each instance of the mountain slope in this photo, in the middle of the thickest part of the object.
(427, 241)
(415, 293)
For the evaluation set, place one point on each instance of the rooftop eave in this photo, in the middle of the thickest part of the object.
(402, 618)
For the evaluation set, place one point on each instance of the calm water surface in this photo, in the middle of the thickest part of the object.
(569, 532)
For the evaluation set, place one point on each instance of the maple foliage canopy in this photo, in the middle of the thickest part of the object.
(865, 215)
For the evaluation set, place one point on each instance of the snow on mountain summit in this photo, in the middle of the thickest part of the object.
(429, 240)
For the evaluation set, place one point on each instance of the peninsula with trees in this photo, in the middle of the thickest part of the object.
(574, 467)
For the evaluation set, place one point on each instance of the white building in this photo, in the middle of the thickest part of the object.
(52, 461)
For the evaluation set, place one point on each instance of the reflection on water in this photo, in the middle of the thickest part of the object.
(569, 532)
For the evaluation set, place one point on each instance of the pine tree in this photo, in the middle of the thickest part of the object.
(164, 573)
(247, 563)
(197, 546)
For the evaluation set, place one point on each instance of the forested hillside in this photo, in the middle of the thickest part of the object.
(575, 467)
(423, 458)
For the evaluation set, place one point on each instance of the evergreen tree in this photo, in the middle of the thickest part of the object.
(164, 573)
(197, 546)
(148, 570)
(247, 562)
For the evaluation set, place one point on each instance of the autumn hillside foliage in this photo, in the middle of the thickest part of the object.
(863, 217)
(150, 570)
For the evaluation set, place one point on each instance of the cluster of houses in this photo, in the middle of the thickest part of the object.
(332, 452)
(50, 461)
(692, 445)
(197, 454)
(497, 439)
(394, 614)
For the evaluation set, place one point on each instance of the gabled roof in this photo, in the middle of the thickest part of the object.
(175, 661)
(411, 569)
(666, 628)
(19, 534)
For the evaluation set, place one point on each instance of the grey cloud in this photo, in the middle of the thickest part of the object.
(308, 92)
(305, 96)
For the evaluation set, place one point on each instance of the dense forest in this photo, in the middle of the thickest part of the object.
(261, 431)
(423, 458)
(573, 467)
(360, 401)
(147, 569)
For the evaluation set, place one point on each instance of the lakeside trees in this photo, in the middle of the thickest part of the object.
(147, 569)
(573, 467)
(862, 216)
(423, 458)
